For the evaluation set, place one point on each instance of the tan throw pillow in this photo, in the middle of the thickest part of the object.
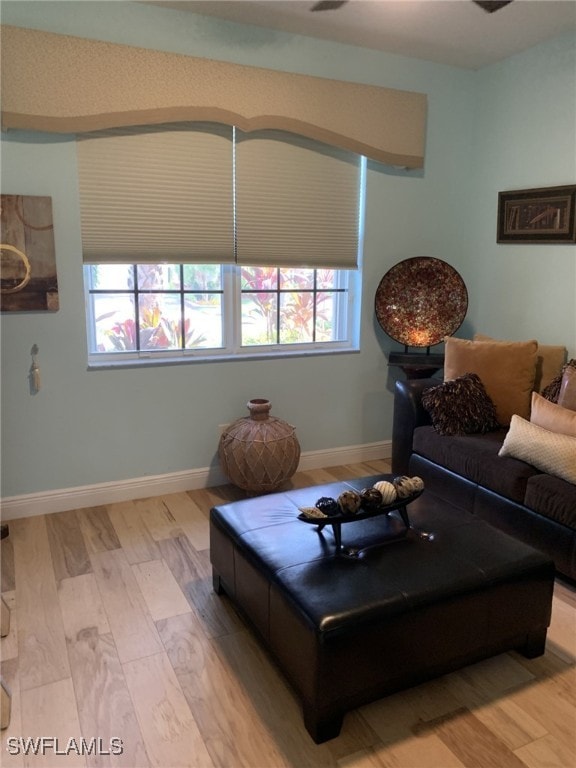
(552, 417)
(567, 396)
(549, 361)
(506, 368)
(547, 451)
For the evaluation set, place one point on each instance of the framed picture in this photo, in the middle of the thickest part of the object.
(546, 215)
(28, 280)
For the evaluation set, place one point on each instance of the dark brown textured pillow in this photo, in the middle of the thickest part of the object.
(461, 406)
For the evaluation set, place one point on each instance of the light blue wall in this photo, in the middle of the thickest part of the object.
(99, 426)
(525, 138)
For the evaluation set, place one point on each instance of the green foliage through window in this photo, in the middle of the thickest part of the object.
(150, 309)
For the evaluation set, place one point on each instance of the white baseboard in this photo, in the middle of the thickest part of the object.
(349, 454)
(43, 503)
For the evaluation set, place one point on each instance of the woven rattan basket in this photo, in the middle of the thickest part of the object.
(259, 452)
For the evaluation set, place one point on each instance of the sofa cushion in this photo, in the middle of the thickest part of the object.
(460, 406)
(507, 370)
(549, 361)
(551, 416)
(552, 497)
(476, 458)
(548, 451)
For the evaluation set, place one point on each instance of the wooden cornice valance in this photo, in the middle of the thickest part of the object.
(64, 84)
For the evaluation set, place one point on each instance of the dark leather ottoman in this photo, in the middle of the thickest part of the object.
(347, 631)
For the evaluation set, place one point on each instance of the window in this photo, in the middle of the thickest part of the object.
(200, 241)
(292, 306)
(154, 307)
(196, 311)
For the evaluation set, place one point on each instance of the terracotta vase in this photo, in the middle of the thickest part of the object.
(259, 452)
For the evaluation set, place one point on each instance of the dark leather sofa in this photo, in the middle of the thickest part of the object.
(535, 507)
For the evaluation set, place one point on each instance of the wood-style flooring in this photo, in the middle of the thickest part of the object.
(116, 633)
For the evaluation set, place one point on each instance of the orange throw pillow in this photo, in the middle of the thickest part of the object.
(506, 368)
(549, 361)
(552, 417)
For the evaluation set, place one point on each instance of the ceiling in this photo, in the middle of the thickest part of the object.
(454, 32)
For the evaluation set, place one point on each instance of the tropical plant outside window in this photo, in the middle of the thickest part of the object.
(290, 306)
(211, 310)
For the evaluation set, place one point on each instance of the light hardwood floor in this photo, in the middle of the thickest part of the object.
(116, 632)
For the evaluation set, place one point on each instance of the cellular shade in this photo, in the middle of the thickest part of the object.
(162, 193)
(297, 202)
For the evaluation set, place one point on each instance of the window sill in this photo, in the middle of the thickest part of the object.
(151, 362)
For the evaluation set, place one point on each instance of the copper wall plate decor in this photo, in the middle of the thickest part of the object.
(421, 300)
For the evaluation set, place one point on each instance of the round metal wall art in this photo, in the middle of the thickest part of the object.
(421, 300)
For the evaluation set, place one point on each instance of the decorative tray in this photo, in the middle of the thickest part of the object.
(349, 508)
(362, 514)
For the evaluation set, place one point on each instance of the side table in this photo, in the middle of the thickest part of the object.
(417, 365)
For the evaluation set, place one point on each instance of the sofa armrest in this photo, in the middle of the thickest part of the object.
(409, 413)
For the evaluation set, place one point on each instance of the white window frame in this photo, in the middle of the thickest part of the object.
(231, 332)
(231, 321)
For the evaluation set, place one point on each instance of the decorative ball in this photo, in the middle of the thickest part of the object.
(328, 505)
(404, 487)
(387, 490)
(417, 484)
(370, 498)
(349, 502)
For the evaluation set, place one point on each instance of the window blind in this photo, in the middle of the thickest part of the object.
(188, 194)
(157, 194)
(297, 202)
